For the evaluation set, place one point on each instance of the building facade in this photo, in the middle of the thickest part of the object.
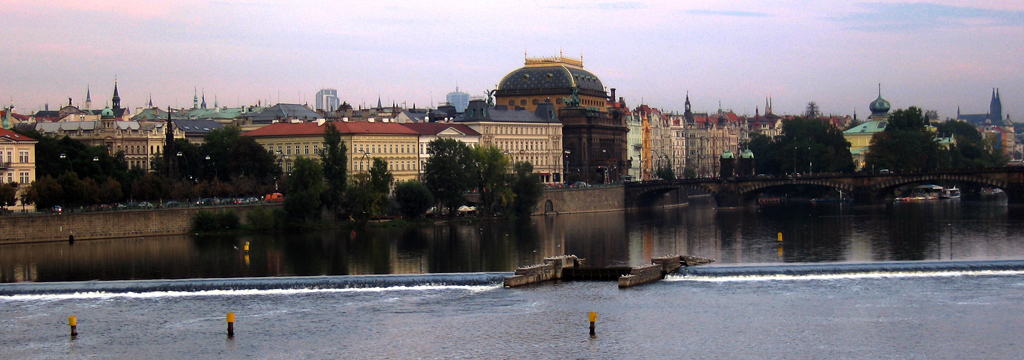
(534, 137)
(365, 141)
(327, 100)
(431, 131)
(17, 160)
(550, 80)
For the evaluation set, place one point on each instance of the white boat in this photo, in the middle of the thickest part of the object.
(950, 193)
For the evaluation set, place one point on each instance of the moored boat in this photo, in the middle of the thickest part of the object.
(950, 193)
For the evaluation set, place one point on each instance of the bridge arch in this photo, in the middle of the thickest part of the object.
(894, 182)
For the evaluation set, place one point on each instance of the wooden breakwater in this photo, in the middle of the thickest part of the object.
(570, 268)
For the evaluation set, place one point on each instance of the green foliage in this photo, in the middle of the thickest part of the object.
(970, 150)
(149, 187)
(805, 145)
(413, 198)
(362, 200)
(527, 188)
(260, 218)
(228, 219)
(492, 179)
(334, 159)
(690, 173)
(305, 187)
(449, 172)
(216, 146)
(250, 159)
(205, 220)
(905, 145)
(8, 195)
(46, 192)
(666, 172)
(380, 177)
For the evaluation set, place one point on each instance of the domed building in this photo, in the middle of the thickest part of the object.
(879, 108)
(593, 141)
(550, 80)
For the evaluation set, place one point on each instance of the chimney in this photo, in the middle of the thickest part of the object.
(612, 98)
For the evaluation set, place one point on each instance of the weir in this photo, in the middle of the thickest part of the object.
(853, 268)
(272, 283)
(570, 268)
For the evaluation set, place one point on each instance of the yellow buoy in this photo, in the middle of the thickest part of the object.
(247, 245)
(780, 236)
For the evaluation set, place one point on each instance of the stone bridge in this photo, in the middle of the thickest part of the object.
(866, 188)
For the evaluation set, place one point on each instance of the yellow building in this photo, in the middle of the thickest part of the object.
(138, 140)
(534, 137)
(17, 159)
(365, 141)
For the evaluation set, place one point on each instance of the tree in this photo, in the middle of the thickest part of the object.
(448, 172)
(150, 187)
(364, 203)
(492, 178)
(251, 159)
(969, 148)
(217, 145)
(46, 192)
(804, 145)
(305, 187)
(905, 145)
(665, 172)
(334, 158)
(8, 194)
(413, 198)
(110, 191)
(380, 177)
(527, 188)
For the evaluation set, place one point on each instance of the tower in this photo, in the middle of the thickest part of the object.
(195, 99)
(115, 101)
(687, 114)
(995, 108)
(88, 98)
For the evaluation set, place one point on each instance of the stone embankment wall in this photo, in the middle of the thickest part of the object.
(582, 200)
(105, 225)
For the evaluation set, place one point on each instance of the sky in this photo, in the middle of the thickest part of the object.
(936, 55)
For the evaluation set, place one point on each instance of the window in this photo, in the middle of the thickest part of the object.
(289, 150)
(511, 103)
(522, 102)
(23, 156)
(535, 101)
(307, 149)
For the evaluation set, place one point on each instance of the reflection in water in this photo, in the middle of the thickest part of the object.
(812, 233)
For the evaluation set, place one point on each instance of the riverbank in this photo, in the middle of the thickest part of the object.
(107, 225)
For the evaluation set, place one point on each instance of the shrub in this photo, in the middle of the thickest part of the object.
(205, 220)
(260, 218)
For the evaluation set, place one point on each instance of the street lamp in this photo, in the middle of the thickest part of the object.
(188, 167)
(70, 165)
(366, 158)
(210, 163)
(565, 164)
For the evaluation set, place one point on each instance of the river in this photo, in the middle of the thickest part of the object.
(812, 233)
(930, 308)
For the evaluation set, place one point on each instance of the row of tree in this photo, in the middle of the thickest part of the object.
(906, 144)
(453, 169)
(227, 164)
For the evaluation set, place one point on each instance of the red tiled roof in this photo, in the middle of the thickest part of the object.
(13, 136)
(313, 128)
(436, 128)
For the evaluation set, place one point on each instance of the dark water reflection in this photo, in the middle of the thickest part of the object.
(812, 233)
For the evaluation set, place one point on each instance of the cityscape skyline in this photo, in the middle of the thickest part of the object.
(940, 55)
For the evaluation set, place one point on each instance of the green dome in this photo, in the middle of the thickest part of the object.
(107, 113)
(728, 154)
(747, 154)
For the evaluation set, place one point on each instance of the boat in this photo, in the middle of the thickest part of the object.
(923, 192)
(950, 193)
(991, 191)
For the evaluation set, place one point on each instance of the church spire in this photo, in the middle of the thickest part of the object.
(195, 98)
(88, 98)
(203, 105)
(116, 100)
(150, 100)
